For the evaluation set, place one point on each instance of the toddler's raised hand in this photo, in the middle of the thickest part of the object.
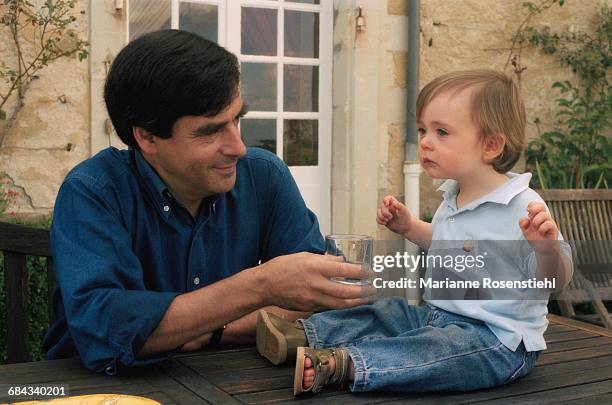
(394, 215)
(539, 227)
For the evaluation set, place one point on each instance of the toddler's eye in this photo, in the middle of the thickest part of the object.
(421, 131)
(442, 132)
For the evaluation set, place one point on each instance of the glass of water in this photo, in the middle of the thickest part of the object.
(355, 249)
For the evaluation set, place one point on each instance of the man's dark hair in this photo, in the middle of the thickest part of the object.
(164, 75)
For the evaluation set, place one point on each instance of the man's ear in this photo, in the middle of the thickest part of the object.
(145, 140)
(492, 147)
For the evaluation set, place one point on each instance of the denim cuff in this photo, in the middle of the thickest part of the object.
(311, 333)
(359, 384)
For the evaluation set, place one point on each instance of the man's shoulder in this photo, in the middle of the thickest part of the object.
(258, 160)
(105, 167)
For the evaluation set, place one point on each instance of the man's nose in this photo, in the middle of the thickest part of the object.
(233, 145)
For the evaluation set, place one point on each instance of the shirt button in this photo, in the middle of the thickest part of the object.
(451, 219)
(196, 280)
(110, 370)
(166, 208)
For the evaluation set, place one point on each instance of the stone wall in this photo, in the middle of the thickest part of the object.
(51, 130)
(478, 34)
(370, 96)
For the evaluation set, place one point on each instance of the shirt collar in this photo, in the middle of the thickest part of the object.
(160, 192)
(501, 195)
(154, 185)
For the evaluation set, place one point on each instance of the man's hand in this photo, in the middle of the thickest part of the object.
(302, 282)
(394, 215)
(539, 229)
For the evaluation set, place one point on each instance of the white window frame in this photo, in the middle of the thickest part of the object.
(308, 177)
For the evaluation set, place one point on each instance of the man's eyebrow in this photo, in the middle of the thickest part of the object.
(208, 129)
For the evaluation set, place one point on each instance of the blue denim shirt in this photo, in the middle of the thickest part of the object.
(124, 248)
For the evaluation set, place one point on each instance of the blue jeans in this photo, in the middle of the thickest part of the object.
(404, 348)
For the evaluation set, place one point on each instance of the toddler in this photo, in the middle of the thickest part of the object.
(471, 127)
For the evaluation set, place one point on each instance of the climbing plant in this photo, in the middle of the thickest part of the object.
(577, 153)
(39, 35)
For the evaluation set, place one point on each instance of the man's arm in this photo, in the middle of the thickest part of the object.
(299, 281)
(242, 330)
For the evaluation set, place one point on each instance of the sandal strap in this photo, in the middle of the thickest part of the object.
(323, 375)
(341, 372)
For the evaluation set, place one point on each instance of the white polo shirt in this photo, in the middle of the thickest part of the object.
(494, 217)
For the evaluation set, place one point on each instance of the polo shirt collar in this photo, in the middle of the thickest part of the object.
(501, 195)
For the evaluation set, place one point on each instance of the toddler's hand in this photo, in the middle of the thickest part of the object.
(394, 215)
(539, 227)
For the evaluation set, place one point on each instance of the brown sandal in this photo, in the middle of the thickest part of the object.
(277, 339)
(323, 375)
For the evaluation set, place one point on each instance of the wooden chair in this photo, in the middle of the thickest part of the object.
(584, 218)
(17, 242)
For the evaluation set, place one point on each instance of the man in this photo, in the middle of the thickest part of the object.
(175, 243)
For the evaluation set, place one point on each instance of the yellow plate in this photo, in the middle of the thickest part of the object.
(97, 399)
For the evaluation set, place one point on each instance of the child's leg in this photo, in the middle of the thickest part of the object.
(385, 318)
(450, 352)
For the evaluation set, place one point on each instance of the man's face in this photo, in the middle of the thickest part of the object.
(199, 159)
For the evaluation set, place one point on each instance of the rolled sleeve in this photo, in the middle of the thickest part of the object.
(108, 309)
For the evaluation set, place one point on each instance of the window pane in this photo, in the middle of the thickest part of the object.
(200, 19)
(305, 1)
(258, 31)
(147, 16)
(301, 34)
(301, 142)
(259, 133)
(258, 88)
(301, 88)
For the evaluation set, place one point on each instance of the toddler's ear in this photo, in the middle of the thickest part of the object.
(493, 146)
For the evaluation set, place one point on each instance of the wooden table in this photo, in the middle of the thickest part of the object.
(576, 368)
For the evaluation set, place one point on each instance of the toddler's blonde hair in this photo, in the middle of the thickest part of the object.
(497, 108)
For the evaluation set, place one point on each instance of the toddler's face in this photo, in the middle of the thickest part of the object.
(449, 141)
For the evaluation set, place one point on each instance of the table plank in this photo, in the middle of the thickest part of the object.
(581, 392)
(576, 344)
(573, 335)
(555, 328)
(577, 354)
(596, 399)
(226, 362)
(559, 320)
(196, 383)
